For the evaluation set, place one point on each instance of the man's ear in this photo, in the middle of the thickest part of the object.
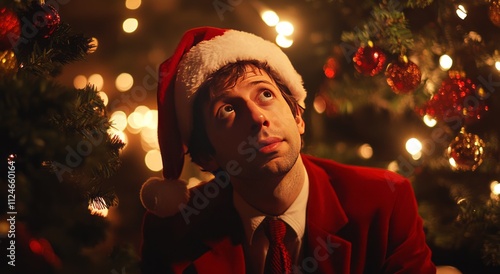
(301, 125)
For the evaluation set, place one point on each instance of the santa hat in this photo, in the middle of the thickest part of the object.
(201, 52)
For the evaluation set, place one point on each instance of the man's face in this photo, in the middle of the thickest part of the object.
(252, 124)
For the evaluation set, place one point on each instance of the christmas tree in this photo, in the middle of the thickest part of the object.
(411, 86)
(58, 157)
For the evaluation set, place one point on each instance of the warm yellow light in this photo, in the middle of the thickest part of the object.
(429, 121)
(104, 97)
(319, 104)
(270, 18)
(97, 81)
(151, 119)
(495, 187)
(94, 43)
(119, 120)
(453, 164)
(365, 151)
(142, 109)
(413, 146)
(393, 166)
(98, 206)
(120, 134)
(135, 121)
(153, 160)
(149, 139)
(445, 62)
(133, 4)
(124, 81)
(497, 65)
(130, 25)
(461, 12)
(80, 81)
(283, 41)
(284, 28)
(417, 155)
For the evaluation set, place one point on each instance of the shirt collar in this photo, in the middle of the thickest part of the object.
(294, 216)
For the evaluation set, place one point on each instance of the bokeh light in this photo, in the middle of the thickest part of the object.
(153, 160)
(130, 25)
(118, 120)
(429, 121)
(124, 82)
(283, 41)
(461, 12)
(365, 151)
(96, 80)
(104, 97)
(133, 4)
(285, 28)
(445, 62)
(80, 81)
(94, 43)
(270, 18)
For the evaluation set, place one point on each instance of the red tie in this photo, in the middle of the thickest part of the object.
(278, 259)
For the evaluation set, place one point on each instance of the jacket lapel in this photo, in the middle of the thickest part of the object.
(325, 217)
(223, 256)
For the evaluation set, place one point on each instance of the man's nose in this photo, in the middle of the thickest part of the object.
(257, 116)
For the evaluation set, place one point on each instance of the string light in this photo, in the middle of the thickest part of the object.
(461, 12)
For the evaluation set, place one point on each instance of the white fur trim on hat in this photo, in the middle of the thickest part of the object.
(210, 55)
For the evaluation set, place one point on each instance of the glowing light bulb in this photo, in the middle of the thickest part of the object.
(270, 18)
(445, 62)
(413, 146)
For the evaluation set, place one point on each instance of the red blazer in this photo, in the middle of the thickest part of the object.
(359, 220)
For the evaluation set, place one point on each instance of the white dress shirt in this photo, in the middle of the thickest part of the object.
(256, 244)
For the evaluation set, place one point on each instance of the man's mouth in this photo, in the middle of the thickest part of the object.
(269, 144)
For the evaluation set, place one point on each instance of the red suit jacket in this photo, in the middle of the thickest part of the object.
(359, 220)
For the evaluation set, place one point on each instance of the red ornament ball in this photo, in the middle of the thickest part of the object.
(458, 97)
(369, 60)
(10, 29)
(403, 76)
(45, 18)
(466, 151)
(494, 12)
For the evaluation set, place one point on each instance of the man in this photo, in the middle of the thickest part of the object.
(234, 102)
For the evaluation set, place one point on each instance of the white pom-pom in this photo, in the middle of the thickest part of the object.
(163, 197)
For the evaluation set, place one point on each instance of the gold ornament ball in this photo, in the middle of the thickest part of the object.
(8, 62)
(466, 151)
(494, 13)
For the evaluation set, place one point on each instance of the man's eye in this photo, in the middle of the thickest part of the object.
(225, 111)
(266, 95)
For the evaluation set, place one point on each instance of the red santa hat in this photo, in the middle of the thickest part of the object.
(201, 52)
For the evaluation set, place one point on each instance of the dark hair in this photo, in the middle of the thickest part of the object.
(199, 146)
